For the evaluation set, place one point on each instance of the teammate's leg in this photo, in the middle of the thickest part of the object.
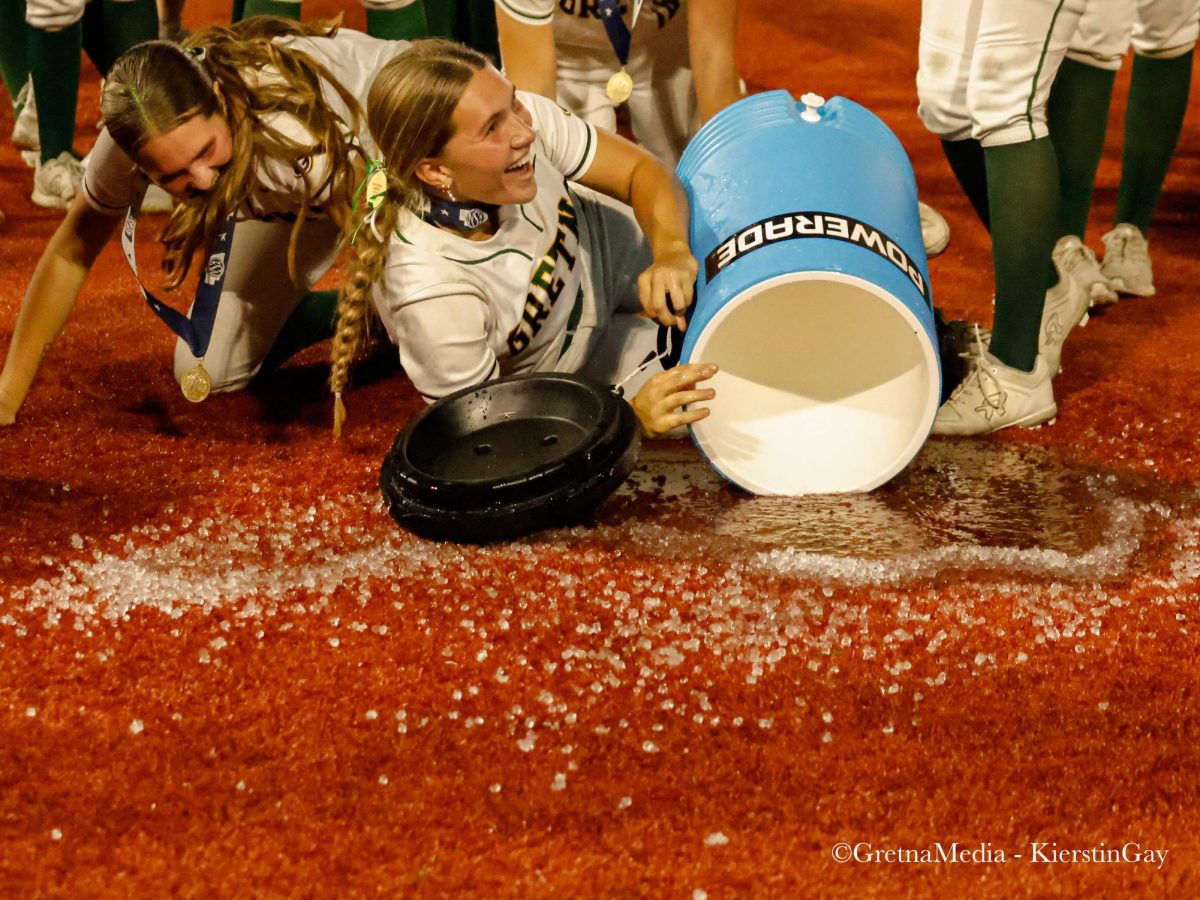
(396, 19)
(1164, 44)
(55, 38)
(258, 298)
(288, 9)
(14, 44)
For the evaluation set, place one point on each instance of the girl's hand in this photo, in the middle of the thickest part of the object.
(665, 288)
(658, 403)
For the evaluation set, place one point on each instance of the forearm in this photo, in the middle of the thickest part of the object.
(712, 39)
(529, 55)
(49, 299)
(660, 206)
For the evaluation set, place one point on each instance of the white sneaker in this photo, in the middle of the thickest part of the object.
(1077, 261)
(995, 396)
(935, 230)
(1066, 306)
(25, 125)
(1127, 261)
(56, 181)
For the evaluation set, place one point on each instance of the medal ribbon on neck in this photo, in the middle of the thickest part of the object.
(459, 216)
(196, 330)
(614, 25)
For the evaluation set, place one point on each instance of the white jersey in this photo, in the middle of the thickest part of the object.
(112, 179)
(579, 29)
(463, 311)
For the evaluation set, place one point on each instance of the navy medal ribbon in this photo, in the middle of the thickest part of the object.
(459, 216)
(196, 330)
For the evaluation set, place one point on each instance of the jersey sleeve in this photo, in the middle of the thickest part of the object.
(566, 140)
(111, 179)
(442, 336)
(532, 12)
(308, 171)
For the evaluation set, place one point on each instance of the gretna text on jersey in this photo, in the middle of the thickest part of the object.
(547, 284)
(796, 225)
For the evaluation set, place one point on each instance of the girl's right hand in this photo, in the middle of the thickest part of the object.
(658, 403)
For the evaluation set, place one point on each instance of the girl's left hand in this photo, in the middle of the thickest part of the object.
(658, 403)
(666, 287)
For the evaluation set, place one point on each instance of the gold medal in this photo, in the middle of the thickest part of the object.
(620, 87)
(196, 383)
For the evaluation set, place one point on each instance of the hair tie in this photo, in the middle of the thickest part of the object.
(373, 188)
(198, 53)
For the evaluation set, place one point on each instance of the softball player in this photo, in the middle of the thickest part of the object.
(482, 260)
(564, 48)
(57, 30)
(260, 121)
(986, 68)
(1163, 35)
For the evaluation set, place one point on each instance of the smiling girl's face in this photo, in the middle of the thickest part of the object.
(489, 158)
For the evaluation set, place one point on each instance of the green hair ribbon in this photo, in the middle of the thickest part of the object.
(373, 188)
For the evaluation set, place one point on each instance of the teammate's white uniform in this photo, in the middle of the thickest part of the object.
(258, 294)
(662, 108)
(986, 66)
(564, 265)
(1161, 29)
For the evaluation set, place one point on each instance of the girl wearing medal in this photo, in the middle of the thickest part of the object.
(608, 52)
(257, 131)
(672, 61)
(496, 241)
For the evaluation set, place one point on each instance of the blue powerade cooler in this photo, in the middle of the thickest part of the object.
(813, 296)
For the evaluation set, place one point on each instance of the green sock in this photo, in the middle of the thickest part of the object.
(126, 24)
(271, 8)
(1158, 97)
(14, 47)
(1078, 119)
(440, 16)
(1023, 196)
(966, 161)
(404, 24)
(477, 26)
(311, 321)
(54, 62)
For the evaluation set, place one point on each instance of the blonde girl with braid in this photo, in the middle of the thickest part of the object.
(261, 122)
(505, 235)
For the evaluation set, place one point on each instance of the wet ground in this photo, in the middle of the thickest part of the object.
(961, 503)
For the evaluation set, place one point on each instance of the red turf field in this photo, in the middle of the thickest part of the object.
(224, 672)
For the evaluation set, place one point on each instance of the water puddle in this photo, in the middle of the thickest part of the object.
(959, 504)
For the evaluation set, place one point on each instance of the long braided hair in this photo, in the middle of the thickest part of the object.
(157, 86)
(409, 110)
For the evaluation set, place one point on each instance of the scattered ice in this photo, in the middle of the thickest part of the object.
(55, 834)
(136, 726)
(560, 782)
(716, 839)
